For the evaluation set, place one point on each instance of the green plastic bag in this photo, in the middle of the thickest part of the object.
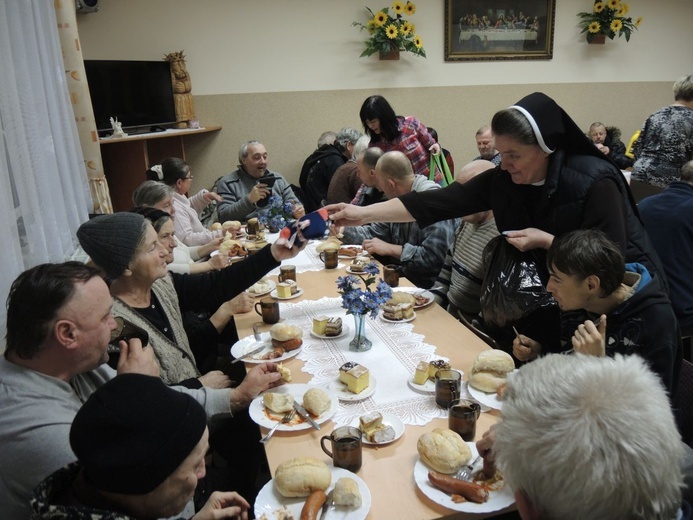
(439, 172)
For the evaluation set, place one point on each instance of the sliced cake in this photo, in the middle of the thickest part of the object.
(320, 325)
(333, 327)
(421, 373)
(355, 376)
(436, 365)
(283, 290)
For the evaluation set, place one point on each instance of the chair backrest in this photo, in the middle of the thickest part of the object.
(683, 402)
(629, 148)
(481, 335)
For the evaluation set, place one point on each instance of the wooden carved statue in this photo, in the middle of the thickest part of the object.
(182, 87)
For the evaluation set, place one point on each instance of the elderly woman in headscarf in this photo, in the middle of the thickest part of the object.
(551, 180)
(126, 247)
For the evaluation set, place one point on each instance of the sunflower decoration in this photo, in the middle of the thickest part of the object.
(389, 29)
(610, 19)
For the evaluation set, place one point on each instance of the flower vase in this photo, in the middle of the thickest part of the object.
(597, 39)
(273, 229)
(391, 54)
(360, 343)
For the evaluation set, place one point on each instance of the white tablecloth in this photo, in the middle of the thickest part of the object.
(392, 360)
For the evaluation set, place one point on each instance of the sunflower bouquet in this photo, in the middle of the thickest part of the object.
(389, 29)
(608, 17)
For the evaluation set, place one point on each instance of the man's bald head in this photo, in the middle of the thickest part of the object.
(394, 165)
(472, 169)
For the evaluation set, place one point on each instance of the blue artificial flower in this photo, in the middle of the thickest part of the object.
(288, 208)
(357, 300)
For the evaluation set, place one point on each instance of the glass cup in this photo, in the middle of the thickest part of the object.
(462, 418)
(252, 227)
(287, 272)
(448, 385)
(269, 310)
(330, 257)
(346, 447)
(391, 275)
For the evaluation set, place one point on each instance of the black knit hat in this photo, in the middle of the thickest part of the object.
(111, 240)
(553, 127)
(133, 432)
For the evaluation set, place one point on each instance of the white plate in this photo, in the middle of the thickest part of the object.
(248, 343)
(269, 500)
(382, 317)
(361, 273)
(232, 259)
(272, 285)
(358, 249)
(496, 500)
(421, 292)
(339, 389)
(259, 414)
(345, 331)
(429, 387)
(486, 399)
(273, 294)
(388, 420)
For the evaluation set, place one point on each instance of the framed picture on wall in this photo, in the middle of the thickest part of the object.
(488, 30)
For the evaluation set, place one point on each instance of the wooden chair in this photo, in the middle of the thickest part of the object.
(481, 335)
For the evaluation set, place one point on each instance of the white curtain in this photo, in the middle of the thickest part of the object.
(44, 193)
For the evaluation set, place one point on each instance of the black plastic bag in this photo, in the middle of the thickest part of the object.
(512, 286)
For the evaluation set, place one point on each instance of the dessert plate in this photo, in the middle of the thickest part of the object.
(273, 294)
(421, 293)
(339, 389)
(263, 417)
(270, 502)
(271, 284)
(488, 399)
(388, 420)
(345, 331)
(407, 320)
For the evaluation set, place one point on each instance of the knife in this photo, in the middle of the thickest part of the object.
(326, 505)
(302, 412)
(251, 353)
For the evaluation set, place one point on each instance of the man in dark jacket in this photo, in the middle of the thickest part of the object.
(668, 218)
(608, 141)
(623, 309)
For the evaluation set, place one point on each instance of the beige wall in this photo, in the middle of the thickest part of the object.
(284, 72)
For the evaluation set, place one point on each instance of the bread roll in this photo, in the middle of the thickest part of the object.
(331, 243)
(284, 372)
(402, 297)
(490, 369)
(346, 493)
(285, 332)
(278, 403)
(443, 450)
(301, 476)
(316, 401)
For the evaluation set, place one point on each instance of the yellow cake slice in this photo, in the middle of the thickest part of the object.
(283, 290)
(421, 373)
(355, 376)
(436, 365)
(320, 324)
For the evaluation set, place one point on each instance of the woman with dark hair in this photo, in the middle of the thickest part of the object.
(392, 132)
(175, 172)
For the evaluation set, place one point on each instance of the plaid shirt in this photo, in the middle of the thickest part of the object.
(413, 141)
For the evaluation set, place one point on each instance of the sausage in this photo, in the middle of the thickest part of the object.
(313, 504)
(468, 490)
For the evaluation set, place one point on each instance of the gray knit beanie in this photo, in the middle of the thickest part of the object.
(111, 240)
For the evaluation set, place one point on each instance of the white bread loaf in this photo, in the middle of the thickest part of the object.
(285, 332)
(490, 370)
(278, 403)
(316, 401)
(301, 476)
(443, 450)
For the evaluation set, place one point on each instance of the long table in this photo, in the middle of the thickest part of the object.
(387, 470)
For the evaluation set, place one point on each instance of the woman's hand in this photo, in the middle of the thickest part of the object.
(435, 149)
(240, 304)
(258, 379)
(281, 252)
(529, 238)
(215, 379)
(224, 504)
(589, 339)
(209, 247)
(219, 261)
(136, 359)
(299, 211)
(209, 196)
(525, 349)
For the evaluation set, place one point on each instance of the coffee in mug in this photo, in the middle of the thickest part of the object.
(287, 272)
(462, 418)
(448, 385)
(252, 227)
(346, 447)
(391, 275)
(330, 257)
(269, 310)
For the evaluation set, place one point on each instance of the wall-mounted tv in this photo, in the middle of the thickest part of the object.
(138, 93)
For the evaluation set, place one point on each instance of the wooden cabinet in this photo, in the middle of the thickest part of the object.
(126, 159)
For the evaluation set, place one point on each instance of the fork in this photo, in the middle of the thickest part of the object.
(465, 473)
(286, 419)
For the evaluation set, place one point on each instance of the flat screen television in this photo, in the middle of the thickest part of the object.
(138, 93)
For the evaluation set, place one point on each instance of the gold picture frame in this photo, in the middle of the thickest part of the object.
(483, 30)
